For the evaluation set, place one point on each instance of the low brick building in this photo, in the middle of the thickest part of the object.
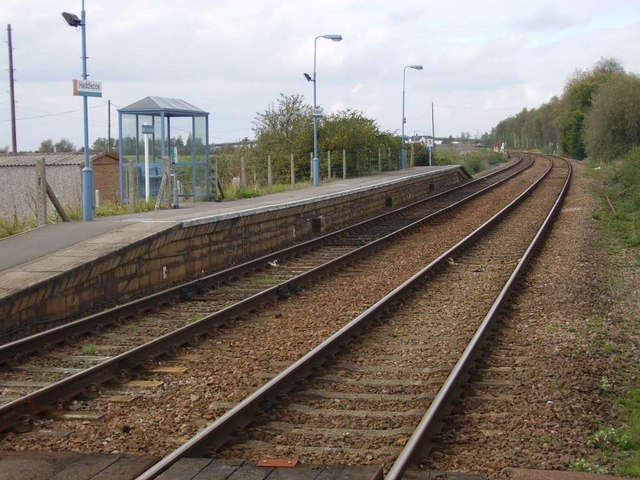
(106, 176)
(64, 174)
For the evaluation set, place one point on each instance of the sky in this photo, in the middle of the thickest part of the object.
(483, 60)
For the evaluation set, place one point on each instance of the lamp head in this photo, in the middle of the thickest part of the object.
(416, 67)
(71, 19)
(308, 77)
(334, 37)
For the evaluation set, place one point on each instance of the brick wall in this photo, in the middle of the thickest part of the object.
(106, 179)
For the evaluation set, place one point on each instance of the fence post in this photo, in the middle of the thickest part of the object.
(329, 164)
(344, 163)
(133, 188)
(412, 154)
(41, 192)
(293, 171)
(311, 167)
(389, 152)
(269, 172)
(243, 173)
(379, 160)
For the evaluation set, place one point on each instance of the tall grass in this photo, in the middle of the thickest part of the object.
(15, 226)
(235, 192)
(622, 186)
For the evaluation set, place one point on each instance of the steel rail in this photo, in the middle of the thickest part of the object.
(14, 351)
(418, 443)
(21, 410)
(220, 431)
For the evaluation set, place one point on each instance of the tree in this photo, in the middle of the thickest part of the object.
(284, 129)
(288, 125)
(64, 145)
(101, 144)
(577, 101)
(613, 123)
(46, 146)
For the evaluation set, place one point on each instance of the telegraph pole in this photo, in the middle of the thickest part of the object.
(108, 125)
(433, 128)
(14, 143)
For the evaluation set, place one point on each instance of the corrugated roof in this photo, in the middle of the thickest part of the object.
(170, 106)
(29, 159)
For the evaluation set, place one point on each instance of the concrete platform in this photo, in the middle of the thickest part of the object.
(60, 270)
(34, 465)
(75, 466)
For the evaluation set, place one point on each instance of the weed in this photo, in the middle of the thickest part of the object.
(14, 226)
(605, 385)
(583, 465)
(90, 349)
(609, 436)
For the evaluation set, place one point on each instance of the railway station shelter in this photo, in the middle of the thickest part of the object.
(156, 128)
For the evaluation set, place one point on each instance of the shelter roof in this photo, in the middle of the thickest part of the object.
(171, 107)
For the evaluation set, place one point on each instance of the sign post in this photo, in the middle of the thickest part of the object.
(146, 130)
(430, 148)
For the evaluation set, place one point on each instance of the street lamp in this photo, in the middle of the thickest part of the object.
(87, 173)
(316, 112)
(403, 155)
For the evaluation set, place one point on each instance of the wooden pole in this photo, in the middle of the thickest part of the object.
(293, 171)
(41, 192)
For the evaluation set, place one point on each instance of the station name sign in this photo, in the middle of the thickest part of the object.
(87, 88)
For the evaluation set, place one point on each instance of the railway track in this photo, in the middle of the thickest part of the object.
(381, 399)
(44, 371)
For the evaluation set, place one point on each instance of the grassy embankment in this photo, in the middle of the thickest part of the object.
(618, 446)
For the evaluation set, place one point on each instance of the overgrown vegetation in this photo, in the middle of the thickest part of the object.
(15, 226)
(619, 227)
(622, 189)
(598, 115)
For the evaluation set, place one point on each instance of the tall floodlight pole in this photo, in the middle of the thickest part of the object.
(87, 172)
(403, 155)
(316, 112)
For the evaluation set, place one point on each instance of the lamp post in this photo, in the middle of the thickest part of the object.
(87, 172)
(403, 155)
(316, 112)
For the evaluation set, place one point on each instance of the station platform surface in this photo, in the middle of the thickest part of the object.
(40, 242)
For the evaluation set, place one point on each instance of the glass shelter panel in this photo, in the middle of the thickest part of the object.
(155, 127)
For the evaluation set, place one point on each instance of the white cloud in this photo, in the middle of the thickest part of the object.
(234, 58)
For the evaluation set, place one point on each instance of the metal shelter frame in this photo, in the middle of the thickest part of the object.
(161, 110)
